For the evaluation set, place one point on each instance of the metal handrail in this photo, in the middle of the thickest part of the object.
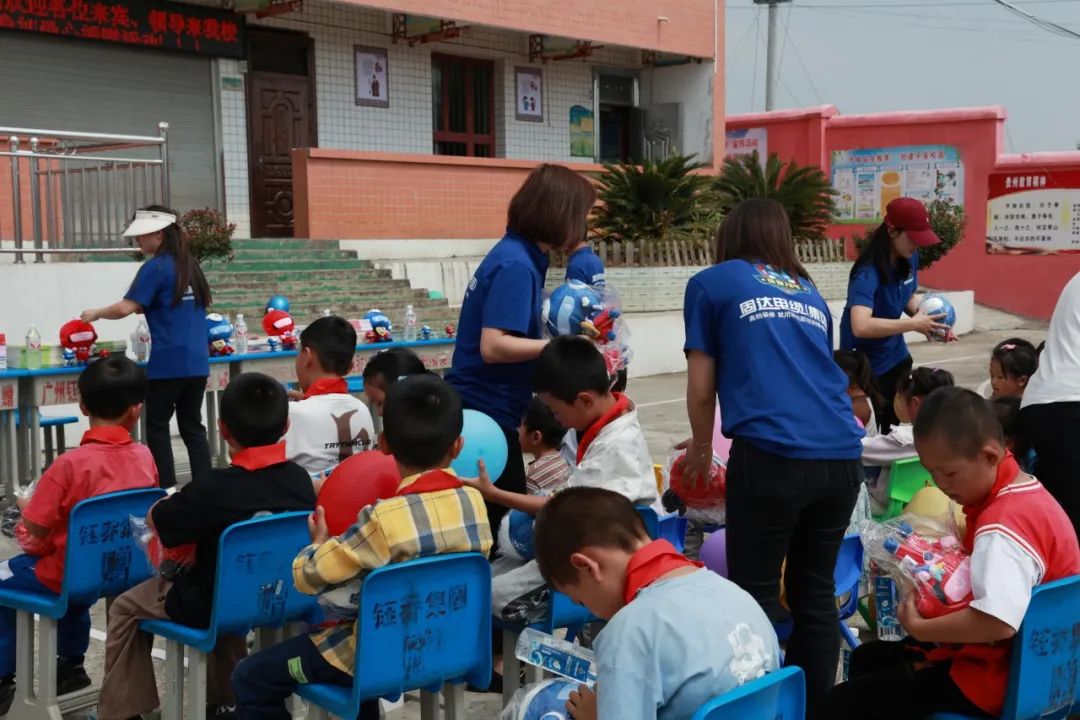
(80, 200)
(74, 251)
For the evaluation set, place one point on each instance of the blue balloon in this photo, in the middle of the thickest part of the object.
(484, 440)
(278, 302)
(546, 701)
(520, 526)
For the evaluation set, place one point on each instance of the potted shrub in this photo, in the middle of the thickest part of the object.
(209, 234)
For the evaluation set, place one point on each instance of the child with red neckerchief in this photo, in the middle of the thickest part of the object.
(571, 378)
(677, 635)
(1018, 536)
(327, 425)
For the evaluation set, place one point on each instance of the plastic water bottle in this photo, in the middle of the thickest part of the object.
(3, 352)
(140, 341)
(241, 330)
(410, 323)
(557, 656)
(886, 599)
(33, 348)
(326, 312)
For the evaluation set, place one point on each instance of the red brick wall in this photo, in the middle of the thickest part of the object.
(341, 194)
(688, 29)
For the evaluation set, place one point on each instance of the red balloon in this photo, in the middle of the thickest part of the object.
(353, 485)
(705, 495)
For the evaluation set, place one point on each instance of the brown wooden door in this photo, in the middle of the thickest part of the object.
(279, 119)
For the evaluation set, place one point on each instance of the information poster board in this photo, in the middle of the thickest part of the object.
(1033, 212)
(866, 181)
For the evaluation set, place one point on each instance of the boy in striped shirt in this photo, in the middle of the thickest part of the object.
(433, 513)
(541, 436)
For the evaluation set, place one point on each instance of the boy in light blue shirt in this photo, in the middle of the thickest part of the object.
(677, 635)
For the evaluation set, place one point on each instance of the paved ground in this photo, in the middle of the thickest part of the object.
(661, 403)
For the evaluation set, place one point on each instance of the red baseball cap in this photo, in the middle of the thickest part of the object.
(910, 215)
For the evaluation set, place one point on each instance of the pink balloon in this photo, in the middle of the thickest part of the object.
(721, 445)
(714, 552)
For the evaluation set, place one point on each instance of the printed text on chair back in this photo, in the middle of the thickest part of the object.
(102, 559)
(1044, 680)
(254, 585)
(424, 622)
(780, 695)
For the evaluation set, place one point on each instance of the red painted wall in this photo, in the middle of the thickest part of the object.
(1027, 285)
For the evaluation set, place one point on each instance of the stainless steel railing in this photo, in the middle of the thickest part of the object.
(83, 187)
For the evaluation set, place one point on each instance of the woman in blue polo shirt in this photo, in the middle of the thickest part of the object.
(882, 302)
(500, 329)
(171, 291)
(585, 266)
(758, 338)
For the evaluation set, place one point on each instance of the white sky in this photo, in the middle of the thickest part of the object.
(881, 55)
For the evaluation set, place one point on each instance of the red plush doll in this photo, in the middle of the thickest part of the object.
(279, 324)
(78, 337)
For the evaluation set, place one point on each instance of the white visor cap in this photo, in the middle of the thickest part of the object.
(148, 221)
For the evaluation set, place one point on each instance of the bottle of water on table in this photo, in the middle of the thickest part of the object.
(241, 329)
(410, 323)
(33, 348)
(556, 656)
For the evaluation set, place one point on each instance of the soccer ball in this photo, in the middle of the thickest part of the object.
(934, 304)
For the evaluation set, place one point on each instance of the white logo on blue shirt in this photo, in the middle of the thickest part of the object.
(768, 275)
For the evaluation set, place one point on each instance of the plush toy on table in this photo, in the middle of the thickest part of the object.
(77, 338)
(381, 327)
(449, 330)
(426, 332)
(218, 334)
(940, 569)
(280, 329)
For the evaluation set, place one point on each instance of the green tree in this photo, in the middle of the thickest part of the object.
(948, 222)
(210, 236)
(803, 190)
(653, 201)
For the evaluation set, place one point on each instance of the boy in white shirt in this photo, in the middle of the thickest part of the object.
(328, 425)
(571, 378)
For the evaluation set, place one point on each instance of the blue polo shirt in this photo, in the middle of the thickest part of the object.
(584, 265)
(771, 338)
(888, 301)
(505, 293)
(179, 347)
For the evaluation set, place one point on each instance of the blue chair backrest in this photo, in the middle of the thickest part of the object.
(423, 623)
(254, 586)
(849, 566)
(1044, 680)
(102, 559)
(670, 528)
(780, 695)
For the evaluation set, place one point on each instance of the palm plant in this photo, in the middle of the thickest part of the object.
(803, 190)
(653, 201)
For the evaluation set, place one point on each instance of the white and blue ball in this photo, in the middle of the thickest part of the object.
(569, 305)
(546, 701)
(934, 304)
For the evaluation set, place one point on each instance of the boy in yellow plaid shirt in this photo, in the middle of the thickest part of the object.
(433, 513)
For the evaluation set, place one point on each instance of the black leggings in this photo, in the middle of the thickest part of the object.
(885, 685)
(886, 383)
(781, 507)
(1051, 431)
(184, 397)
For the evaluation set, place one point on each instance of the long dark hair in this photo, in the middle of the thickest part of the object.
(188, 271)
(758, 230)
(878, 254)
(859, 372)
(922, 381)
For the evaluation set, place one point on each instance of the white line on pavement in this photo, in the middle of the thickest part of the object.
(661, 402)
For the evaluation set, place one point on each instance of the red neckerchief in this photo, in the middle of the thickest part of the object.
(430, 481)
(327, 386)
(257, 458)
(107, 435)
(620, 408)
(1007, 472)
(650, 563)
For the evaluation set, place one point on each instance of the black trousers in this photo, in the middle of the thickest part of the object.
(799, 509)
(1052, 431)
(263, 682)
(885, 685)
(886, 382)
(184, 397)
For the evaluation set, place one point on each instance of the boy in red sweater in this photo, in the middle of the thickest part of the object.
(112, 391)
(1019, 537)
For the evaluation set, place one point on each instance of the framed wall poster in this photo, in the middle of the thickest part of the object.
(529, 100)
(372, 76)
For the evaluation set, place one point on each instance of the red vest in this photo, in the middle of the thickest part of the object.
(1029, 516)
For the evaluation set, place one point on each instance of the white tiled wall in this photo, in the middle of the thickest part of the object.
(406, 126)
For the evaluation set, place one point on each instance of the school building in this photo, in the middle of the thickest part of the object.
(351, 120)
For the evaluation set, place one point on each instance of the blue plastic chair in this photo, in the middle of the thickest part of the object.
(780, 695)
(253, 589)
(1044, 676)
(423, 624)
(670, 527)
(102, 561)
